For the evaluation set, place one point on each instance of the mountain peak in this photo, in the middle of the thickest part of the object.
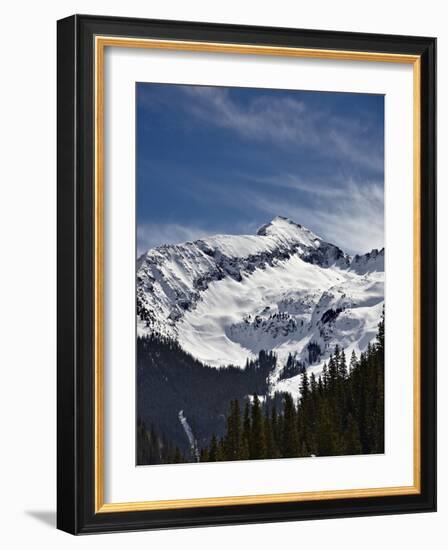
(288, 230)
(278, 222)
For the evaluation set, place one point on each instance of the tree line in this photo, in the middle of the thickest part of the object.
(169, 380)
(339, 413)
(151, 448)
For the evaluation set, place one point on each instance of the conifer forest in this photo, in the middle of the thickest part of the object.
(340, 412)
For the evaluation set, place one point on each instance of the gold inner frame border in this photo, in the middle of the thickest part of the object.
(100, 43)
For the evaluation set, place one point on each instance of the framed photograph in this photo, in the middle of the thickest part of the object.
(246, 274)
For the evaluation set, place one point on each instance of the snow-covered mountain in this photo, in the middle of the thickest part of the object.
(225, 298)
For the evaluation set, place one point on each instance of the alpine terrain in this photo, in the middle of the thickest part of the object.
(245, 321)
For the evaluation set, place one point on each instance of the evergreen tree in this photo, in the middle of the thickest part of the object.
(204, 455)
(245, 451)
(304, 386)
(380, 336)
(213, 452)
(324, 376)
(271, 446)
(247, 429)
(352, 443)
(276, 428)
(343, 373)
(221, 451)
(233, 439)
(332, 374)
(324, 430)
(290, 439)
(337, 358)
(257, 441)
(353, 361)
(320, 386)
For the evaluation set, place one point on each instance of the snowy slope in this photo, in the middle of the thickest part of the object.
(225, 298)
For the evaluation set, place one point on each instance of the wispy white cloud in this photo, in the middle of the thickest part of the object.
(262, 119)
(345, 212)
(285, 121)
(341, 187)
(294, 182)
(353, 220)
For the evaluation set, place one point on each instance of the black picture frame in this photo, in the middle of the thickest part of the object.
(76, 512)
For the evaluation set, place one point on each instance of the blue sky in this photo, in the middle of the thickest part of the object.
(227, 160)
